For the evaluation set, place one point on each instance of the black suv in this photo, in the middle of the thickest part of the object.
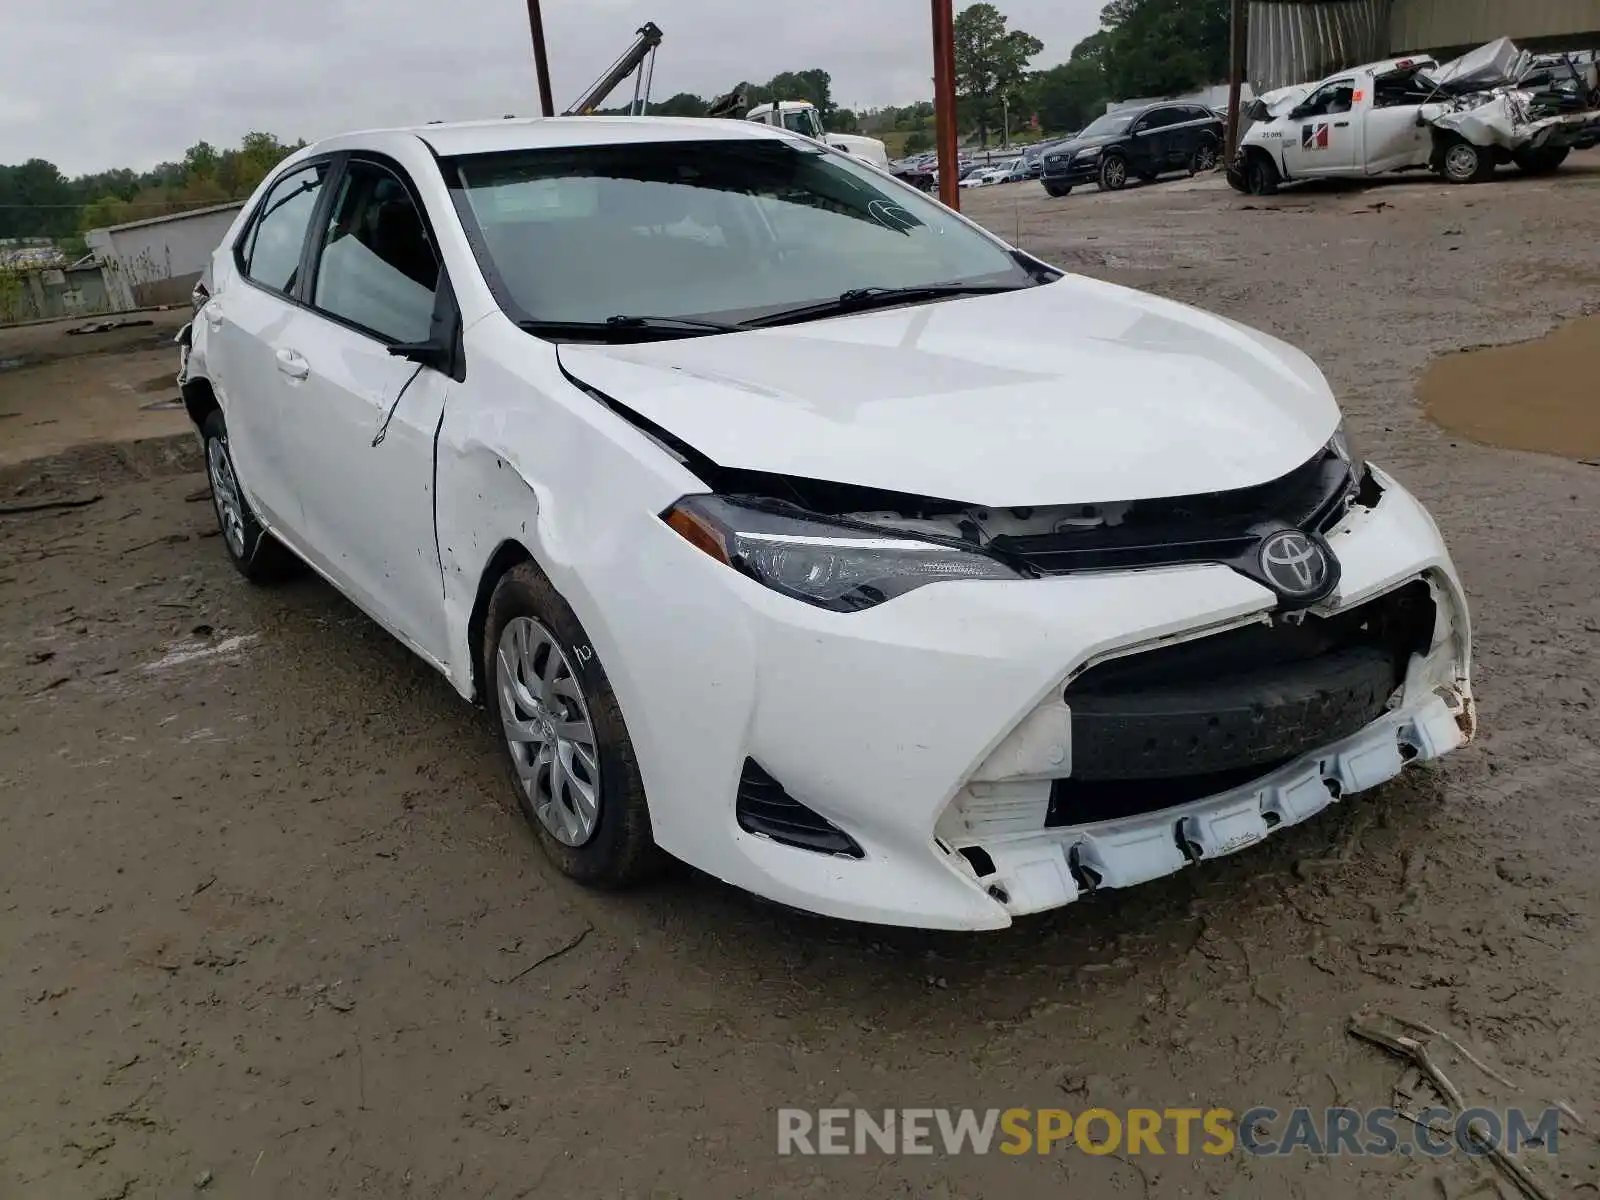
(1139, 142)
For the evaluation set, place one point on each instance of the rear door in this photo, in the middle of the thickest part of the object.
(1392, 137)
(245, 322)
(362, 420)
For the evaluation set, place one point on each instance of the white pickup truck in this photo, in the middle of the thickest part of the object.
(1460, 120)
(801, 116)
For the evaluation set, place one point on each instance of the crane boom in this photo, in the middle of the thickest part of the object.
(644, 46)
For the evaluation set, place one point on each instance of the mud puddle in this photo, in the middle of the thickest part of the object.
(1539, 395)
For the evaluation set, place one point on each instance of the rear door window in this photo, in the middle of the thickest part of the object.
(269, 254)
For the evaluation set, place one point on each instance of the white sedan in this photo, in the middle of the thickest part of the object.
(788, 523)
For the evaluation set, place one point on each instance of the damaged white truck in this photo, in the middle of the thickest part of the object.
(1461, 120)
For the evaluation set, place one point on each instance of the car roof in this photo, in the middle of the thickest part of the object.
(554, 133)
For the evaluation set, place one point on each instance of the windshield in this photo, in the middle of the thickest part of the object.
(1105, 126)
(727, 230)
(803, 121)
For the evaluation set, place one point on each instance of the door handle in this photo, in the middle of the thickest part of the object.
(293, 365)
(1341, 124)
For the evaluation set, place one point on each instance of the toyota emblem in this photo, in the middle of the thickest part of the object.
(1297, 565)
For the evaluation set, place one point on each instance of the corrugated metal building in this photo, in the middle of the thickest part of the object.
(1461, 24)
(158, 260)
(1297, 41)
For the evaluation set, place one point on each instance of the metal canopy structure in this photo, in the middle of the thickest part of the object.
(1297, 41)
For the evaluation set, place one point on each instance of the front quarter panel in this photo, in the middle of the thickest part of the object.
(526, 457)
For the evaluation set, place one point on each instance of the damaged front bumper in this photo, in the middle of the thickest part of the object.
(1027, 873)
(918, 747)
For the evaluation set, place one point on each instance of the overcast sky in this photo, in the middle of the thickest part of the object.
(93, 84)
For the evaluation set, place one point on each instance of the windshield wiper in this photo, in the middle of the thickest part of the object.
(625, 328)
(631, 322)
(865, 298)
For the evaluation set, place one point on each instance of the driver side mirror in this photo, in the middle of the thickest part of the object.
(1299, 111)
(442, 349)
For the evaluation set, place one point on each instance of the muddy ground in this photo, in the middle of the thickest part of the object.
(269, 926)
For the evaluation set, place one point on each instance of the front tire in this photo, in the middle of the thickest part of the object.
(1465, 163)
(259, 556)
(1058, 190)
(1113, 173)
(572, 763)
(1261, 177)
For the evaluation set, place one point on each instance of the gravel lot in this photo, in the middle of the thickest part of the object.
(270, 926)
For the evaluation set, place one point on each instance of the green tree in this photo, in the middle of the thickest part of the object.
(200, 159)
(36, 200)
(991, 62)
(1164, 47)
(815, 85)
(684, 104)
(920, 141)
(1068, 96)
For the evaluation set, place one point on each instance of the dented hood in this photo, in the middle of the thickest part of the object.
(1072, 392)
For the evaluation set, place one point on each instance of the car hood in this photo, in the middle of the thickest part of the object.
(1077, 144)
(1073, 392)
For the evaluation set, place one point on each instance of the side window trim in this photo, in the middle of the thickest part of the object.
(309, 252)
(311, 264)
(244, 244)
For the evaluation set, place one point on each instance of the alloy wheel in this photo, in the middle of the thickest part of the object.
(1116, 172)
(548, 731)
(1461, 161)
(225, 493)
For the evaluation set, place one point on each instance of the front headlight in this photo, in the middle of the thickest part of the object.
(831, 564)
(1091, 152)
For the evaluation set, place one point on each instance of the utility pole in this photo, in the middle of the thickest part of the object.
(541, 61)
(1005, 121)
(944, 101)
(1238, 52)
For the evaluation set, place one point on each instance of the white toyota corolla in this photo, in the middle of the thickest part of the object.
(789, 523)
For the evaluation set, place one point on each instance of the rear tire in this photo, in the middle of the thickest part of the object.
(584, 799)
(1113, 173)
(1204, 159)
(1544, 161)
(259, 557)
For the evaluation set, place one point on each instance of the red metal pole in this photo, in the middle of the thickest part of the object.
(944, 100)
(1238, 68)
(541, 62)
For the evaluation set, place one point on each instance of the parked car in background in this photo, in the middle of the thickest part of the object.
(1033, 156)
(688, 449)
(1138, 143)
(918, 172)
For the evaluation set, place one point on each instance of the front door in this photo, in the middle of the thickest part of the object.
(363, 420)
(1151, 142)
(1322, 138)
